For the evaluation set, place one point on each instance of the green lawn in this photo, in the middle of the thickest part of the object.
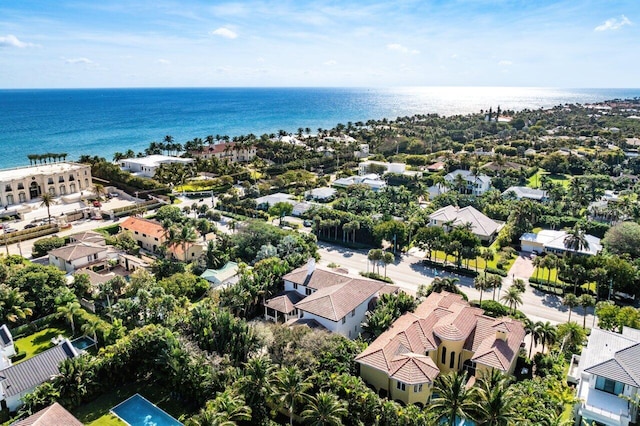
(534, 181)
(543, 274)
(96, 412)
(478, 263)
(39, 342)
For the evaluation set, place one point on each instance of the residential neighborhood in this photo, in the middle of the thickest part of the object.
(203, 280)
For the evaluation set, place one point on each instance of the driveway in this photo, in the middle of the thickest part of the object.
(522, 267)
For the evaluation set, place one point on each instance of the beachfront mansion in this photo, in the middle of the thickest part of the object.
(23, 184)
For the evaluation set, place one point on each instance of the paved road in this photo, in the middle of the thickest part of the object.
(408, 273)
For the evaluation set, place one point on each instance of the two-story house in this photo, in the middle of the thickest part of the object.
(329, 299)
(72, 257)
(607, 368)
(470, 183)
(149, 234)
(444, 334)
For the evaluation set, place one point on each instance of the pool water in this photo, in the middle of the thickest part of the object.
(82, 343)
(138, 411)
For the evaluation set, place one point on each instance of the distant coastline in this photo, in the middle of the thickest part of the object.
(104, 121)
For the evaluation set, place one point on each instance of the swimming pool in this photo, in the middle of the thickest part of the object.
(138, 411)
(82, 343)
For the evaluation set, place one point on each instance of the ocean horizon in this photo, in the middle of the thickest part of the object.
(104, 121)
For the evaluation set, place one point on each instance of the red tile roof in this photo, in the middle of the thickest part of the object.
(144, 226)
(443, 316)
(53, 415)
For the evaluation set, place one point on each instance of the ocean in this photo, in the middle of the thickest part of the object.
(104, 121)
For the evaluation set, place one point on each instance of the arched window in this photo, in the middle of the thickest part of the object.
(63, 190)
(9, 199)
(452, 359)
(52, 191)
(444, 355)
(72, 188)
(23, 197)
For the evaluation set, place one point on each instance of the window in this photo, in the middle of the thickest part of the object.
(95, 257)
(60, 179)
(444, 355)
(88, 258)
(609, 386)
(63, 190)
(401, 386)
(50, 181)
(307, 291)
(8, 188)
(417, 388)
(344, 319)
(452, 359)
(72, 177)
(353, 313)
(295, 286)
(144, 235)
(20, 185)
(156, 238)
(136, 232)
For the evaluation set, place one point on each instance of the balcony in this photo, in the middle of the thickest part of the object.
(602, 407)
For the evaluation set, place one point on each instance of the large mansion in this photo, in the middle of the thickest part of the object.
(25, 184)
(444, 334)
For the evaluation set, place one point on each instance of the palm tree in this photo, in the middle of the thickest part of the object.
(497, 403)
(47, 200)
(547, 333)
(387, 258)
(290, 388)
(487, 255)
(374, 256)
(480, 284)
(227, 409)
(91, 327)
(454, 401)
(69, 312)
(440, 284)
(570, 301)
(513, 298)
(99, 190)
(324, 409)
(538, 263)
(13, 306)
(586, 301)
(255, 385)
(186, 237)
(576, 239)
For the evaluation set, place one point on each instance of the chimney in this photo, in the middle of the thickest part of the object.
(311, 266)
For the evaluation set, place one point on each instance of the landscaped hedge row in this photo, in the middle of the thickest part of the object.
(496, 271)
(546, 288)
(251, 213)
(451, 268)
(33, 326)
(378, 277)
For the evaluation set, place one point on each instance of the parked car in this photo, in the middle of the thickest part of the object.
(30, 225)
(10, 230)
(308, 223)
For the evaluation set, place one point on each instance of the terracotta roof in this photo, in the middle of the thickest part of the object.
(442, 316)
(77, 251)
(284, 302)
(318, 279)
(149, 227)
(53, 415)
(336, 301)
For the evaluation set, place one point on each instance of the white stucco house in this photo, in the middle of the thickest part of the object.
(551, 241)
(607, 368)
(80, 255)
(327, 299)
(146, 166)
(372, 180)
(7, 348)
(476, 184)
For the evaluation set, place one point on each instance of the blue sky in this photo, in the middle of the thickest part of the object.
(164, 43)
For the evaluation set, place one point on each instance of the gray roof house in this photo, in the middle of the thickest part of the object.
(482, 226)
(607, 367)
(520, 192)
(20, 379)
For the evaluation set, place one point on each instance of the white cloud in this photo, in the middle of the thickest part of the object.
(331, 62)
(402, 49)
(614, 24)
(163, 61)
(505, 63)
(224, 32)
(79, 61)
(12, 41)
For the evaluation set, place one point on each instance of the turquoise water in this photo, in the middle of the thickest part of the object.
(103, 121)
(137, 411)
(82, 343)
